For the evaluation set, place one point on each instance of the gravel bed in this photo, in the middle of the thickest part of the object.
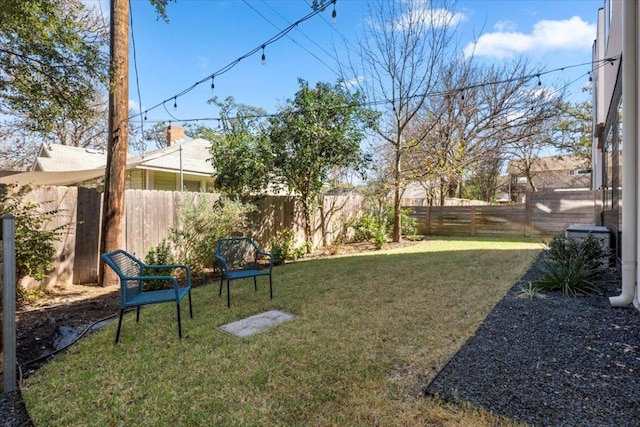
(554, 361)
(12, 410)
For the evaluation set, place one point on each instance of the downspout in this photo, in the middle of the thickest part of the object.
(629, 157)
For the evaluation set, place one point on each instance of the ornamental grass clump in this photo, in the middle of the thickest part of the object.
(574, 267)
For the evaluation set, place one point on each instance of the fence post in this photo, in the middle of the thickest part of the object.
(428, 220)
(9, 302)
(473, 220)
(527, 215)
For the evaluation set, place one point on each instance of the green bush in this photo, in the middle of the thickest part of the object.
(160, 255)
(367, 227)
(34, 243)
(283, 247)
(380, 238)
(408, 225)
(374, 226)
(202, 224)
(573, 267)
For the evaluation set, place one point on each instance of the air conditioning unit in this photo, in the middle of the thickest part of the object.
(580, 232)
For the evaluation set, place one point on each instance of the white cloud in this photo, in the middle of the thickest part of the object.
(134, 106)
(503, 26)
(569, 34)
(431, 18)
(353, 82)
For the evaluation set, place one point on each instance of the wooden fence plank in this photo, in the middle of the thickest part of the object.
(85, 267)
(150, 214)
(544, 214)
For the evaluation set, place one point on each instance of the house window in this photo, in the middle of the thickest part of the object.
(573, 172)
(164, 181)
(190, 185)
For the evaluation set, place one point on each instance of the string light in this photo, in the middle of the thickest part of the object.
(175, 102)
(334, 14)
(263, 59)
(450, 92)
(232, 64)
(145, 115)
(213, 85)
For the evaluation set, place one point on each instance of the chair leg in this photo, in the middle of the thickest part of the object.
(190, 306)
(119, 325)
(255, 284)
(228, 295)
(270, 288)
(179, 324)
(220, 292)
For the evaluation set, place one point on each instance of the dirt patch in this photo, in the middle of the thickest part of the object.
(39, 324)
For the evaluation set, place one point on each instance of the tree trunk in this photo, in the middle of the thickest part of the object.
(307, 223)
(397, 224)
(115, 173)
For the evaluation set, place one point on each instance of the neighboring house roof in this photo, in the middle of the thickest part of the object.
(194, 157)
(66, 165)
(549, 163)
(58, 157)
(413, 190)
(554, 172)
(343, 191)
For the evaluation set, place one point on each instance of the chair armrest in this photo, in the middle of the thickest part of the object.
(172, 266)
(267, 254)
(222, 262)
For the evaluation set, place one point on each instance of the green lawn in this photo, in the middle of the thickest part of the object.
(370, 332)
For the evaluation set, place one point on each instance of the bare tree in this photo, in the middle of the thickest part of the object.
(481, 116)
(533, 132)
(400, 52)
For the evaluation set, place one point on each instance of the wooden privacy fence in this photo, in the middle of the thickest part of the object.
(150, 214)
(545, 213)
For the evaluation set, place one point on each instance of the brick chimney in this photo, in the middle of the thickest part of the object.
(174, 134)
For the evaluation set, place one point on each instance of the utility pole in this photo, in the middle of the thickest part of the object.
(117, 146)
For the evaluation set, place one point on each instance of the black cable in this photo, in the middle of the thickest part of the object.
(60, 350)
(293, 40)
(232, 64)
(373, 103)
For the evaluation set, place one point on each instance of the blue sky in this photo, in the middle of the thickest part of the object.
(203, 36)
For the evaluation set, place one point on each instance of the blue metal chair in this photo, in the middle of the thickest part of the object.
(239, 258)
(134, 274)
